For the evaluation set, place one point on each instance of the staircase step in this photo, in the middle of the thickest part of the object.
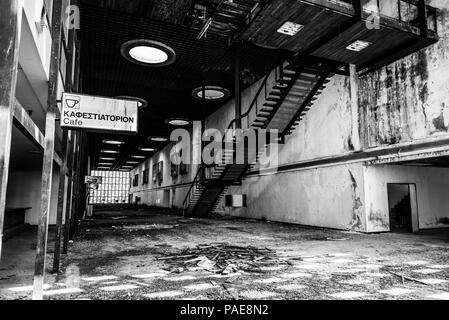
(273, 99)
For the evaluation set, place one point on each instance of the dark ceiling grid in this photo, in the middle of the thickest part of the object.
(168, 89)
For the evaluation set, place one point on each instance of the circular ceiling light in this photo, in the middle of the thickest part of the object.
(158, 139)
(114, 142)
(147, 149)
(141, 103)
(148, 53)
(178, 122)
(110, 151)
(211, 93)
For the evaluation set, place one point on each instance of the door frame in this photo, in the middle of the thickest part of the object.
(412, 189)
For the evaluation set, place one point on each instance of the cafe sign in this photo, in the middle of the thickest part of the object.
(99, 114)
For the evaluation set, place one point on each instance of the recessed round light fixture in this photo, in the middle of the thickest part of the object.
(148, 53)
(178, 122)
(158, 139)
(147, 149)
(107, 159)
(141, 103)
(210, 93)
(138, 157)
(110, 151)
(114, 142)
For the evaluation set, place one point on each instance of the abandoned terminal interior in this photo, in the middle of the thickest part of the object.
(224, 149)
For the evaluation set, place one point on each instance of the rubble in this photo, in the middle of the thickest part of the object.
(221, 258)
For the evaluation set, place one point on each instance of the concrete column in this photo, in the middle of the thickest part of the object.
(355, 119)
(49, 147)
(10, 13)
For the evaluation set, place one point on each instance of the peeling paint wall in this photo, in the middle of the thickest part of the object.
(327, 197)
(409, 100)
(432, 185)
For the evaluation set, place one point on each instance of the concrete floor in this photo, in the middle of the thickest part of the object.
(130, 258)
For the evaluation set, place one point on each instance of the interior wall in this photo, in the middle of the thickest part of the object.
(329, 197)
(432, 185)
(406, 101)
(24, 191)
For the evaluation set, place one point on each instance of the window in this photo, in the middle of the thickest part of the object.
(136, 181)
(113, 189)
(146, 176)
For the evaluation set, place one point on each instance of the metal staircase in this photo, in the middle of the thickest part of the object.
(283, 99)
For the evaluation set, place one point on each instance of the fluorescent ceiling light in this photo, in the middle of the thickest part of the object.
(148, 53)
(110, 151)
(114, 142)
(290, 28)
(210, 93)
(138, 157)
(104, 168)
(107, 159)
(104, 164)
(179, 122)
(158, 139)
(358, 45)
(127, 167)
(132, 162)
(147, 149)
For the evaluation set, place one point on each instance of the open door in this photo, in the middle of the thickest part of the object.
(402, 203)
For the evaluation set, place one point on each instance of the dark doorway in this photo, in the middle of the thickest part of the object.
(400, 207)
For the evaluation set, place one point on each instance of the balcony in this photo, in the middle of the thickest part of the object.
(367, 33)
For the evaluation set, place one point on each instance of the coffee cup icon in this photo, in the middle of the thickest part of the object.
(72, 102)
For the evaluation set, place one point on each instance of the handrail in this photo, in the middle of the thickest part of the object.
(244, 115)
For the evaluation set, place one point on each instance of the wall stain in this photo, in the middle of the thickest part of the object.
(378, 219)
(439, 123)
(356, 223)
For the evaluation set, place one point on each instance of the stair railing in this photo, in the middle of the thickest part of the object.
(254, 106)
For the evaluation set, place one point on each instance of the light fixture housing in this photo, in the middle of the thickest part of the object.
(114, 142)
(110, 151)
(141, 103)
(358, 45)
(178, 122)
(290, 28)
(147, 149)
(158, 139)
(211, 93)
(148, 53)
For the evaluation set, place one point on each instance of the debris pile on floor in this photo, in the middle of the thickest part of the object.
(221, 258)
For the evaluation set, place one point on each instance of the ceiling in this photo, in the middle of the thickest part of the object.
(107, 24)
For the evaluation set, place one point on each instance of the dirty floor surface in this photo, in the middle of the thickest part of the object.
(151, 254)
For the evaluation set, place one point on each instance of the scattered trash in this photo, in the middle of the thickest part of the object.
(221, 258)
(145, 227)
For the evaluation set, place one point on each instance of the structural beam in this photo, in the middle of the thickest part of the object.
(47, 168)
(238, 94)
(355, 123)
(63, 179)
(9, 58)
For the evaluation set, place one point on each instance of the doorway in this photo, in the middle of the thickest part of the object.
(402, 207)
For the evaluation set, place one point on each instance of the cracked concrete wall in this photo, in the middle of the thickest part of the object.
(326, 197)
(407, 101)
(431, 190)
